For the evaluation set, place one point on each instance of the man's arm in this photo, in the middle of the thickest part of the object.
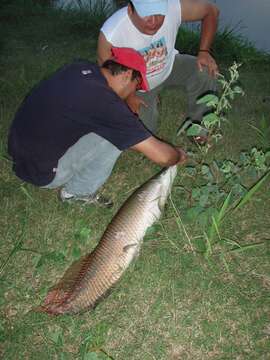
(103, 49)
(160, 152)
(197, 10)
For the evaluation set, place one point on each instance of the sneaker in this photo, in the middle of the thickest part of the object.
(96, 199)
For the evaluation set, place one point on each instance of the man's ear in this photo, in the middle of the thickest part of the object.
(127, 75)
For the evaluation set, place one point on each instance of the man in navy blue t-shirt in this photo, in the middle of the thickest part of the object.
(73, 126)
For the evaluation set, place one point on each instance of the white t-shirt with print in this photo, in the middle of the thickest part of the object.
(158, 49)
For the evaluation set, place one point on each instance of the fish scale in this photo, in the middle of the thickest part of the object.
(89, 279)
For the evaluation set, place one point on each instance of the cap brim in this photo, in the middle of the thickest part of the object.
(144, 85)
(152, 9)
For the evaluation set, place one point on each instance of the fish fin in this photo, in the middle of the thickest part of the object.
(129, 246)
(54, 295)
(66, 287)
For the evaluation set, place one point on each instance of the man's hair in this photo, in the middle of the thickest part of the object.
(116, 69)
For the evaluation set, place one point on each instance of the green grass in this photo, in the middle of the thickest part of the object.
(171, 303)
(229, 46)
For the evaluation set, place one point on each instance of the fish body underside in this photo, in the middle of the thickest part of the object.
(89, 279)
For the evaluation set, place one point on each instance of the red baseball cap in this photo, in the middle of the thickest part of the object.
(133, 60)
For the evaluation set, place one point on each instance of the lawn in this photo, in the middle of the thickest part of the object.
(183, 298)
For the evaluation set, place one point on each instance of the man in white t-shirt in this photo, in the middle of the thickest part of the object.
(150, 27)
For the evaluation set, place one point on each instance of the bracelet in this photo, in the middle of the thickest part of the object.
(205, 50)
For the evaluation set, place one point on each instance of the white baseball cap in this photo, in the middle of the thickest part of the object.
(150, 7)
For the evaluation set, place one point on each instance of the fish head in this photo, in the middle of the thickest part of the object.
(166, 179)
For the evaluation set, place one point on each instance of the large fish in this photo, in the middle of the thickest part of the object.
(88, 279)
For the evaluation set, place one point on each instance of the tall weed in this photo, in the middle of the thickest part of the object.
(88, 16)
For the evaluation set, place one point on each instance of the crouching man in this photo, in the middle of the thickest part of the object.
(70, 130)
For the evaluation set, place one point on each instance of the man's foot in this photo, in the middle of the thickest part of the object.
(95, 199)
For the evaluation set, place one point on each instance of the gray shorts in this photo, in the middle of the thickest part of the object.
(86, 165)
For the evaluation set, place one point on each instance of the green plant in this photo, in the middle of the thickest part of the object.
(213, 236)
(219, 106)
(219, 178)
(219, 189)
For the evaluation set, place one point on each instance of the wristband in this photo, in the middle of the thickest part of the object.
(205, 50)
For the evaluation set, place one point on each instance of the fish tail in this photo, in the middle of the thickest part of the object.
(58, 299)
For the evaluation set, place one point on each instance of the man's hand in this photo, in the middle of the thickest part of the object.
(204, 59)
(183, 156)
(135, 102)
(160, 152)
(207, 13)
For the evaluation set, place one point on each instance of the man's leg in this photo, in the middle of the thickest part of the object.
(86, 165)
(195, 83)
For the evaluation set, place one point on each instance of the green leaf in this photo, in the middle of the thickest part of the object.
(194, 212)
(191, 170)
(247, 247)
(205, 169)
(196, 192)
(210, 98)
(217, 219)
(194, 130)
(251, 192)
(238, 90)
(239, 190)
(202, 220)
(200, 245)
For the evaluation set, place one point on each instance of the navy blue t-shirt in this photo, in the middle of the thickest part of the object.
(75, 101)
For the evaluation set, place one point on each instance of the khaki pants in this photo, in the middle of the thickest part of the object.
(194, 83)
